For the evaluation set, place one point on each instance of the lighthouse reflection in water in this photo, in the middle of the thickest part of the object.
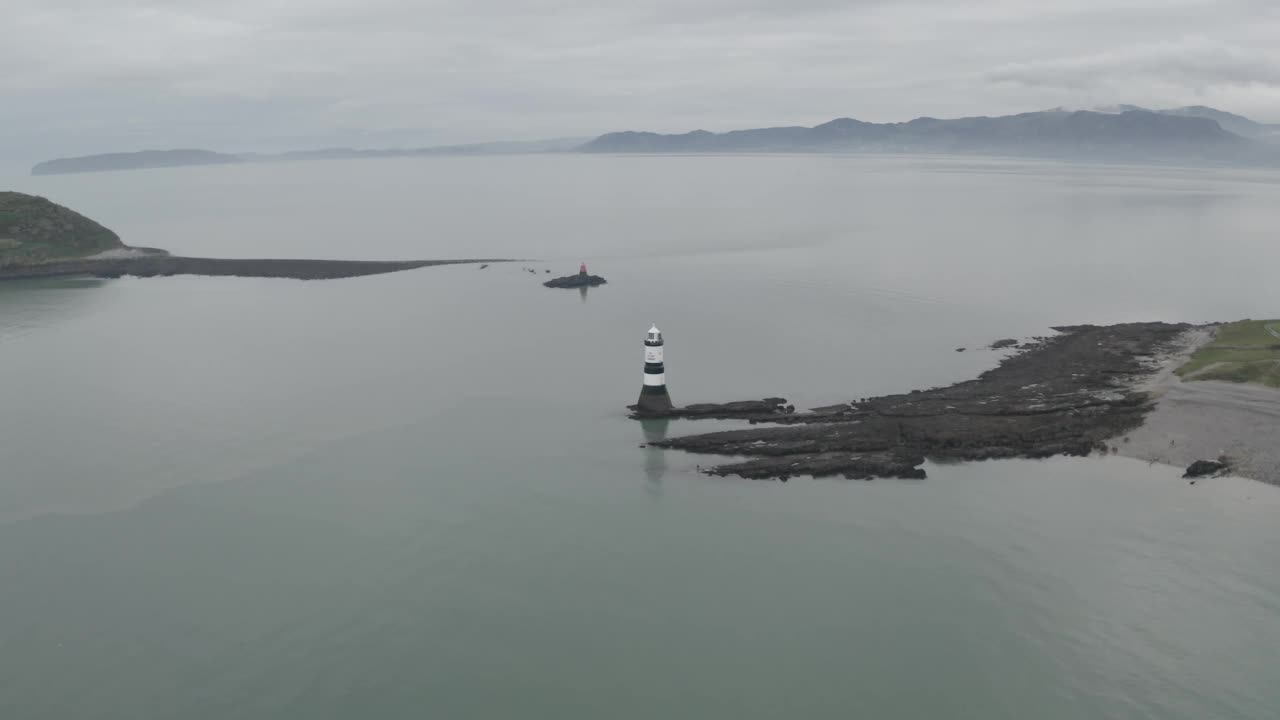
(655, 458)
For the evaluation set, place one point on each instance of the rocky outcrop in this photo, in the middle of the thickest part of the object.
(1205, 468)
(1068, 395)
(753, 410)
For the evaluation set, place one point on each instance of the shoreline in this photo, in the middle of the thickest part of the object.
(1090, 389)
(1206, 419)
(154, 264)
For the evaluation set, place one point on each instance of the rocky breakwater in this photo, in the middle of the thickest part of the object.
(41, 239)
(163, 265)
(1067, 394)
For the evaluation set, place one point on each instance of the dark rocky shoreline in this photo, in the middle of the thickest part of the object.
(766, 410)
(160, 265)
(1064, 395)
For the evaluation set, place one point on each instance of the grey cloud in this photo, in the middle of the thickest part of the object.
(1195, 64)
(99, 75)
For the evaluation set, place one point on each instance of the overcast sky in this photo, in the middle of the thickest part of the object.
(83, 76)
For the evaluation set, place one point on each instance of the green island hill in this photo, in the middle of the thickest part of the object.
(1247, 351)
(35, 230)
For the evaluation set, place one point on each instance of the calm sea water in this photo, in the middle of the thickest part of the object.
(417, 495)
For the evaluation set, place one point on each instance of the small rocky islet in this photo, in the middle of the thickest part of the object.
(581, 279)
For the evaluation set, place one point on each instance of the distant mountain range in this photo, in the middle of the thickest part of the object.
(1195, 134)
(1238, 124)
(176, 158)
(1127, 133)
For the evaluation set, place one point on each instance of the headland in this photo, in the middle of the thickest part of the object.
(1088, 389)
(168, 265)
(41, 239)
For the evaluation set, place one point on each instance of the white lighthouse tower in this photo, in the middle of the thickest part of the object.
(654, 399)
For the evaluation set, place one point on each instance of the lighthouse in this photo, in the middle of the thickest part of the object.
(654, 399)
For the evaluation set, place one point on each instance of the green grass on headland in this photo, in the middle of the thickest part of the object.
(34, 230)
(1244, 352)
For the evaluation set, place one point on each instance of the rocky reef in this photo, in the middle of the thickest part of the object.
(768, 409)
(1067, 394)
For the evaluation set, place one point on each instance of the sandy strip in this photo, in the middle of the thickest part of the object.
(1202, 419)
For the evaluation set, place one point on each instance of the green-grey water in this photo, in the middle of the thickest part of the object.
(417, 495)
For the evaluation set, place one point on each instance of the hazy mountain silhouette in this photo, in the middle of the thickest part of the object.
(132, 161)
(1131, 134)
(175, 158)
(1196, 134)
(1230, 122)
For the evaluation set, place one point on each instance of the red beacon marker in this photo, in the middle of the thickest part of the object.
(582, 270)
